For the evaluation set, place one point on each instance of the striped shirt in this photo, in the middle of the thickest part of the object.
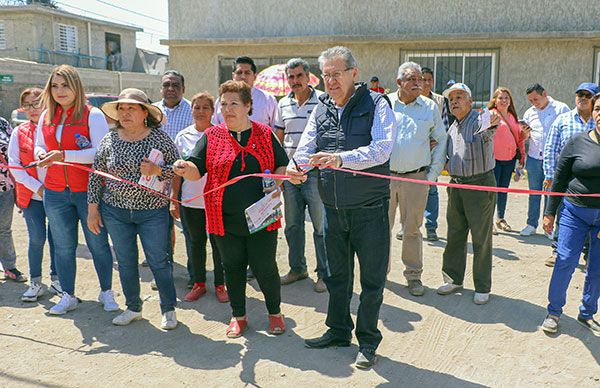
(470, 150)
(293, 118)
(565, 126)
(178, 118)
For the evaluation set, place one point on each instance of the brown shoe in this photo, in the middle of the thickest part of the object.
(503, 225)
(550, 260)
(292, 277)
(320, 286)
(415, 288)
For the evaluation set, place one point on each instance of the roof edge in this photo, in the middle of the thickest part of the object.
(387, 38)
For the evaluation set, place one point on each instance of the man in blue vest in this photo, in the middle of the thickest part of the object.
(351, 128)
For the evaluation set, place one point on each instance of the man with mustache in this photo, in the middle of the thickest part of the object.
(264, 105)
(471, 161)
(418, 123)
(294, 110)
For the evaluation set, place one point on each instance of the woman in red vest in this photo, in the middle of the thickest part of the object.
(69, 131)
(30, 189)
(234, 148)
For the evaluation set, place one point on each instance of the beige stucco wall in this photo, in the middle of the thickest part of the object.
(26, 74)
(31, 30)
(198, 19)
(559, 65)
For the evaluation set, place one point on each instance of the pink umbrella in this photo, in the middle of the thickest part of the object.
(273, 80)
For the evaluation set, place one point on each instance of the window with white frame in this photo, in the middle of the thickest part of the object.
(476, 68)
(67, 38)
(2, 36)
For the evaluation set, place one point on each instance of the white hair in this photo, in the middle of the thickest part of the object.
(405, 67)
(338, 52)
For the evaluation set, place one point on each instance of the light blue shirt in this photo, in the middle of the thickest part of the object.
(416, 124)
(178, 118)
(565, 126)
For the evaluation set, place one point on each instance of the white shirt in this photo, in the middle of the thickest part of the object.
(416, 124)
(540, 122)
(185, 141)
(293, 118)
(264, 109)
(98, 128)
(22, 176)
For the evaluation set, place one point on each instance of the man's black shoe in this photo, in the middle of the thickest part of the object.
(325, 341)
(365, 359)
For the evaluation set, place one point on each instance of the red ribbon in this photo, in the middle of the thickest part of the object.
(286, 177)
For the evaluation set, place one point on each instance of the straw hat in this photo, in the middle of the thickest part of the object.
(131, 96)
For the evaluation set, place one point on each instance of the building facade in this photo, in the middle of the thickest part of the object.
(54, 36)
(485, 44)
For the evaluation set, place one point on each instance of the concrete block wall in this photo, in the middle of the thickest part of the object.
(27, 74)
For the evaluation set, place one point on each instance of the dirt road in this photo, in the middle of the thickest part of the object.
(428, 341)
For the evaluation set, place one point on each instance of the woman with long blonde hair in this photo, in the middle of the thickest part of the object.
(70, 131)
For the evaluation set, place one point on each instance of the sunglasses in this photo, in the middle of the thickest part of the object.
(584, 95)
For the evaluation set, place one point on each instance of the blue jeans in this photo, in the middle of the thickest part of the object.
(8, 257)
(35, 218)
(152, 226)
(64, 210)
(364, 231)
(296, 199)
(576, 223)
(432, 209)
(503, 172)
(535, 178)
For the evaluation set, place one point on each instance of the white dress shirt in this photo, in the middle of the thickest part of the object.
(264, 109)
(540, 121)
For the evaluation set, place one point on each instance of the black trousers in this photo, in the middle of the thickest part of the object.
(258, 251)
(194, 230)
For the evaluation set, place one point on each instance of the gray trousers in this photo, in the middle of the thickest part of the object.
(470, 210)
(8, 258)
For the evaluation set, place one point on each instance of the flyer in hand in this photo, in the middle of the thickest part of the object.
(153, 182)
(263, 213)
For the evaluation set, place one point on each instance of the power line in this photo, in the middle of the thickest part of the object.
(109, 18)
(130, 11)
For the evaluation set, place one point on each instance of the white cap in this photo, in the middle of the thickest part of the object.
(457, 86)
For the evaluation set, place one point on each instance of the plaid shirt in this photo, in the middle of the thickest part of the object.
(564, 127)
(178, 118)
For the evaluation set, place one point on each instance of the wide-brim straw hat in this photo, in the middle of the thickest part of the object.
(131, 96)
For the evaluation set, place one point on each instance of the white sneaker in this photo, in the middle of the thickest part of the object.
(169, 321)
(32, 294)
(66, 303)
(107, 298)
(527, 231)
(55, 287)
(481, 298)
(126, 317)
(448, 288)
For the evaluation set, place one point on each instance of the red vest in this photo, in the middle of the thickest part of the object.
(221, 151)
(25, 133)
(59, 178)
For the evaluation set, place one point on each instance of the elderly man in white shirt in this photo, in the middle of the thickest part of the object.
(264, 105)
(537, 121)
(419, 126)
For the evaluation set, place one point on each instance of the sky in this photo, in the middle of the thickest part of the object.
(151, 15)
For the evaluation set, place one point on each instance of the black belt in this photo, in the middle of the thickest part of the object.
(472, 178)
(420, 169)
